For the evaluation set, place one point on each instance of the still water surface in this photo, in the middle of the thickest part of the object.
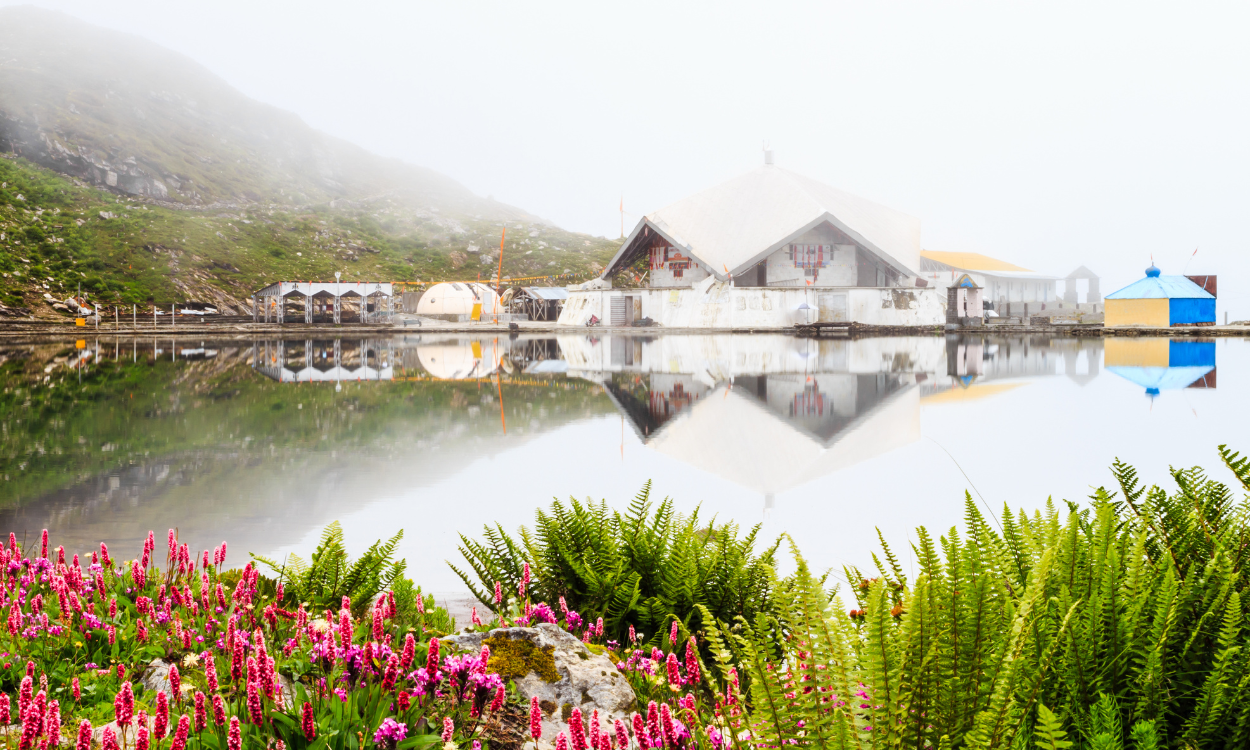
(263, 443)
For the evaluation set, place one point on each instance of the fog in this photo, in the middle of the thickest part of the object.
(1048, 134)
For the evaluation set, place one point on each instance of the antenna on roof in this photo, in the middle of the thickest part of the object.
(768, 154)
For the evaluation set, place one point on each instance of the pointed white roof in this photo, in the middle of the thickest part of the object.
(740, 222)
(735, 437)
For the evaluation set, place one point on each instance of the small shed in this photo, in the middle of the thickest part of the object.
(540, 302)
(963, 301)
(1161, 301)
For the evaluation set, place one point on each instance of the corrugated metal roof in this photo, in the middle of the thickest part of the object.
(548, 292)
(738, 223)
(1161, 287)
(971, 261)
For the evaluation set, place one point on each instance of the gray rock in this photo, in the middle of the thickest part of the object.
(156, 677)
(588, 681)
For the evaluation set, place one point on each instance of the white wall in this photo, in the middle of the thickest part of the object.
(713, 304)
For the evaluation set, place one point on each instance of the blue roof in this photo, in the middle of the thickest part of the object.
(1162, 378)
(1161, 287)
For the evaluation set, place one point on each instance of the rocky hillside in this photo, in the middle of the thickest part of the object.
(138, 173)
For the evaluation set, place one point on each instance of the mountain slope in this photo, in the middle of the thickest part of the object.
(88, 102)
(181, 188)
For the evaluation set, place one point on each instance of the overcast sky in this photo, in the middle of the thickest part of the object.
(1048, 134)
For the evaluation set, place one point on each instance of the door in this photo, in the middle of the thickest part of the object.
(637, 309)
(832, 308)
(618, 311)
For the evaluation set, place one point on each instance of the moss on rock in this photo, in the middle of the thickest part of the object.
(513, 659)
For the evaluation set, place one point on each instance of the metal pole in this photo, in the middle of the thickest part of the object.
(173, 315)
(134, 316)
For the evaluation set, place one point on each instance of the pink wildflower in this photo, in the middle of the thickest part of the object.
(449, 728)
(672, 634)
(180, 734)
(234, 740)
(498, 593)
(536, 719)
(160, 725)
(692, 662)
(622, 735)
(109, 740)
(307, 723)
(432, 660)
(562, 741)
(410, 651)
(201, 712)
(124, 705)
(674, 671)
(666, 725)
(255, 710)
(84, 736)
(175, 683)
(577, 730)
(219, 710)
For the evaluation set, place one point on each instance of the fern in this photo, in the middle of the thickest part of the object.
(1049, 733)
(1125, 612)
(645, 567)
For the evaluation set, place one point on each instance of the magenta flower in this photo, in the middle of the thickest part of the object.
(536, 719)
(84, 736)
(390, 733)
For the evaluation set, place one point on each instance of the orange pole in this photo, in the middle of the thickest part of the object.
(499, 389)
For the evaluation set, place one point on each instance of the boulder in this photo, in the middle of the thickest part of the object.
(563, 672)
(156, 678)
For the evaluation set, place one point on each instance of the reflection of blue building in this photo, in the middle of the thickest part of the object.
(1160, 365)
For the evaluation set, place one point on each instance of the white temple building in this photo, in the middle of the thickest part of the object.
(769, 248)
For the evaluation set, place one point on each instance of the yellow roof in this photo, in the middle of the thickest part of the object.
(971, 261)
(971, 393)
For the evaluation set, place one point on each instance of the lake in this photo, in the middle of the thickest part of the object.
(263, 443)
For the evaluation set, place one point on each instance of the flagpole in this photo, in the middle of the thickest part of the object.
(499, 278)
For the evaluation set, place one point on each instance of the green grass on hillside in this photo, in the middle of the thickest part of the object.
(56, 233)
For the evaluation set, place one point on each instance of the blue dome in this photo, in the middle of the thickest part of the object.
(1152, 272)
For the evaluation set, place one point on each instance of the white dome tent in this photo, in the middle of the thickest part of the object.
(459, 301)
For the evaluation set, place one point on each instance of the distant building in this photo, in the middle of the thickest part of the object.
(1163, 301)
(1008, 289)
(769, 248)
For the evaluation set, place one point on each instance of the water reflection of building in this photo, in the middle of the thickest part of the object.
(769, 413)
(977, 358)
(1162, 364)
(322, 361)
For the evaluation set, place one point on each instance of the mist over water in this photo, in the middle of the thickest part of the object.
(1048, 135)
(263, 443)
